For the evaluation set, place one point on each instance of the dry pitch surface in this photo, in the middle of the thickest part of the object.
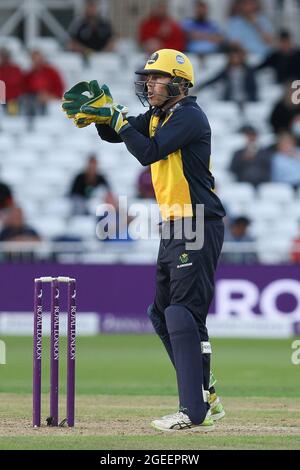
(114, 422)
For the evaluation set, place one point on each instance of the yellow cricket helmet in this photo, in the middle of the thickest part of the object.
(171, 63)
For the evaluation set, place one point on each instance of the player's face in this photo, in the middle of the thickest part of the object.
(157, 90)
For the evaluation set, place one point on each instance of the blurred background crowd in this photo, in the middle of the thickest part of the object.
(246, 57)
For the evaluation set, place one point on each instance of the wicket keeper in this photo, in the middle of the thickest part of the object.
(174, 137)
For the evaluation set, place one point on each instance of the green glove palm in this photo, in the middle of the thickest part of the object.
(99, 99)
(76, 97)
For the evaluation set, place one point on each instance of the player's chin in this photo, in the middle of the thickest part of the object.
(153, 100)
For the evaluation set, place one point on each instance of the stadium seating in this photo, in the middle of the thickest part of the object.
(12, 43)
(47, 45)
(82, 227)
(277, 192)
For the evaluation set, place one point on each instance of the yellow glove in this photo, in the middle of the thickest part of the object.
(110, 114)
(98, 101)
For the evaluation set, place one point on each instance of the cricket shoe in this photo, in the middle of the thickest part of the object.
(181, 422)
(216, 407)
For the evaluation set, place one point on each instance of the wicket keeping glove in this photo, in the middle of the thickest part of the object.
(107, 94)
(75, 98)
(110, 114)
(100, 97)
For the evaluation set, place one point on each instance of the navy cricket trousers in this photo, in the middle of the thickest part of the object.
(186, 277)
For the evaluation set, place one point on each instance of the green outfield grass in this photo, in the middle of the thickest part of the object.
(125, 381)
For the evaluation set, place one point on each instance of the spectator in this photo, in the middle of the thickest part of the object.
(144, 185)
(85, 184)
(251, 164)
(15, 229)
(284, 60)
(160, 31)
(203, 35)
(91, 33)
(284, 111)
(237, 232)
(237, 77)
(6, 199)
(286, 161)
(12, 76)
(113, 224)
(42, 84)
(250, 27)
(234, 8)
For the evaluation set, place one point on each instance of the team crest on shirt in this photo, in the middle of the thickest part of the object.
(184, 258)
(184, 261)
